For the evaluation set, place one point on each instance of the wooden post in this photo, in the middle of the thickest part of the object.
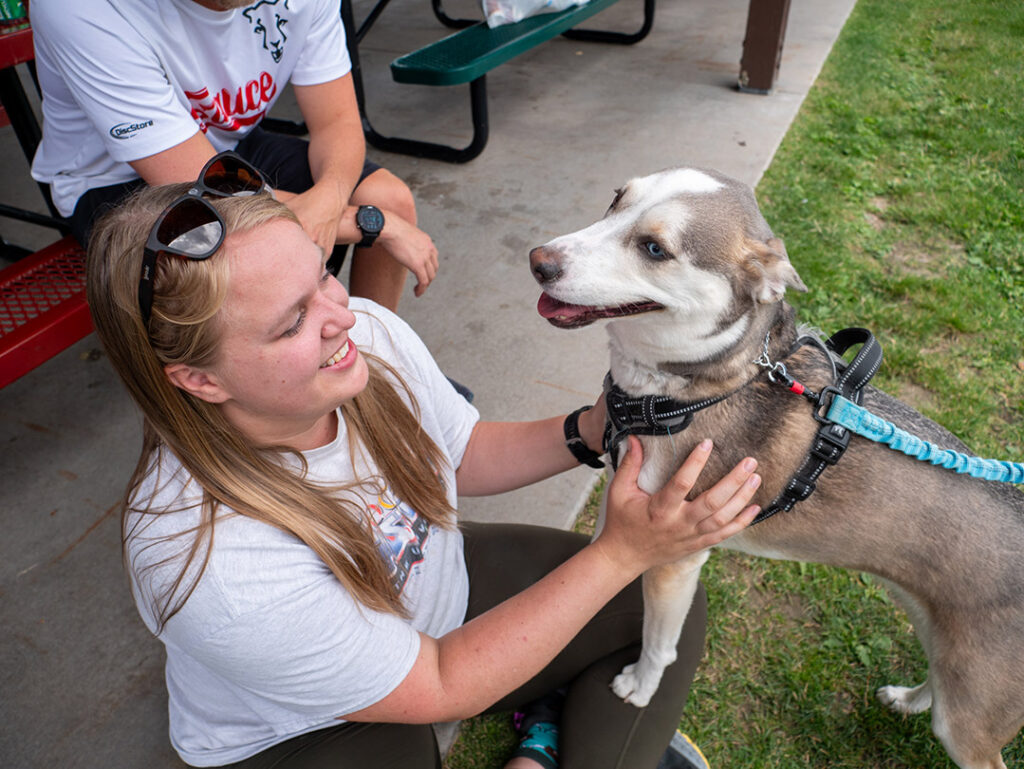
(762, 46)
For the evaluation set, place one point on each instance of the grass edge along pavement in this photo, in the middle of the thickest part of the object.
(899, 192)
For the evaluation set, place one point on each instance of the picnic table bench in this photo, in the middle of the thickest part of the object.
(42, 307)
(468, 55)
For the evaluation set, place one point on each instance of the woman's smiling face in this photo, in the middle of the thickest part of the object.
(285, 361)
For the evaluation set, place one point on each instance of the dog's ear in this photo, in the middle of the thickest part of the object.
(771, 271)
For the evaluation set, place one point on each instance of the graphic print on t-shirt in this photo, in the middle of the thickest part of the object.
(267, 23)
(238, 107)
(400, 533)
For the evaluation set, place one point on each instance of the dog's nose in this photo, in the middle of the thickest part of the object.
(545, 264)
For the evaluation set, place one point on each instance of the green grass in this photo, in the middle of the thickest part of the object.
(899, 192)
(484, 742)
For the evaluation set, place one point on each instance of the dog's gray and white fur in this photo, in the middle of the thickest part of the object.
(694, 278)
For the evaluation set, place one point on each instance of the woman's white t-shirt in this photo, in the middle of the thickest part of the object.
(269, 645)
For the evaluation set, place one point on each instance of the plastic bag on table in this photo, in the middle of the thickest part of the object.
(500, 12)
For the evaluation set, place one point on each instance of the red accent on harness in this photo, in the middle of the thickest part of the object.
(797, 388)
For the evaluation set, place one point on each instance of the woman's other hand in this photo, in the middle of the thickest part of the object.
(643, 530)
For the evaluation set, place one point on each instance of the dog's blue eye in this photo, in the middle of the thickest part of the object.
(655, 250)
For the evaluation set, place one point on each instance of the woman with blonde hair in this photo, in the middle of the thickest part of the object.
(290, 530)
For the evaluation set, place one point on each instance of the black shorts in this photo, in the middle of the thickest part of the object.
(282, 159)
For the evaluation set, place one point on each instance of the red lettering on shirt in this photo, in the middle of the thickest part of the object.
(235, 111)
(252, 94)
(267, 87)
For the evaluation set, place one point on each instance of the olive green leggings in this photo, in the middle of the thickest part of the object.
(597, 731)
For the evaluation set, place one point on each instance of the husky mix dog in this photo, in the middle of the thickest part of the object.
(693, 280)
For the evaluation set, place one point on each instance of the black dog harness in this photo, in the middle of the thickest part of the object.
(645, 415)
(831, 440)
(662, 415)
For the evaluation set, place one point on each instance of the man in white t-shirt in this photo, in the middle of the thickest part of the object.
(146, 91)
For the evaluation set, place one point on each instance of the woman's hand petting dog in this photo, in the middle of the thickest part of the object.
(643, 530)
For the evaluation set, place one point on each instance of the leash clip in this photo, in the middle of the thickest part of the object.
(824, 403)
(783, 376)
(764, 360)
(776, 369)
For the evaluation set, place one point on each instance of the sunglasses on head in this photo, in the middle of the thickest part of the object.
(190, 227)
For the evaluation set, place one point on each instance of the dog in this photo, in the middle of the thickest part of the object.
(692, 281)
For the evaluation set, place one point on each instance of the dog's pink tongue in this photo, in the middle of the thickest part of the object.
(551, 308)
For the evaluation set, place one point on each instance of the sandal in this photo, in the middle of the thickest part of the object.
(537, 725)
(682, 753)
(540, 743)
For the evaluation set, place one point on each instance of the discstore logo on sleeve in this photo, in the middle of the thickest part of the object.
(128, 130)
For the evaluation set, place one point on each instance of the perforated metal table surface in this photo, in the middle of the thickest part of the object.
(42, 307)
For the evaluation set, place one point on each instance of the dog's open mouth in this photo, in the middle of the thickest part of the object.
(566, 315)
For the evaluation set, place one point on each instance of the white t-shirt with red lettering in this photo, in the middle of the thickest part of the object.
(125, 79)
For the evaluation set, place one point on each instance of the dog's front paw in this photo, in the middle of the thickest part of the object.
(633, 687)
(904, 699)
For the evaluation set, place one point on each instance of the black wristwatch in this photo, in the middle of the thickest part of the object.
(370, 221)
(575, 443)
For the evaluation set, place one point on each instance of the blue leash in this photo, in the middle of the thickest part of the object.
(862, 422)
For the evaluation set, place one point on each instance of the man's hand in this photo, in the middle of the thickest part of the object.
(411, 247)
(320, 210)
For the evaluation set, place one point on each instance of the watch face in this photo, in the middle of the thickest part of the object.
(370, 219)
